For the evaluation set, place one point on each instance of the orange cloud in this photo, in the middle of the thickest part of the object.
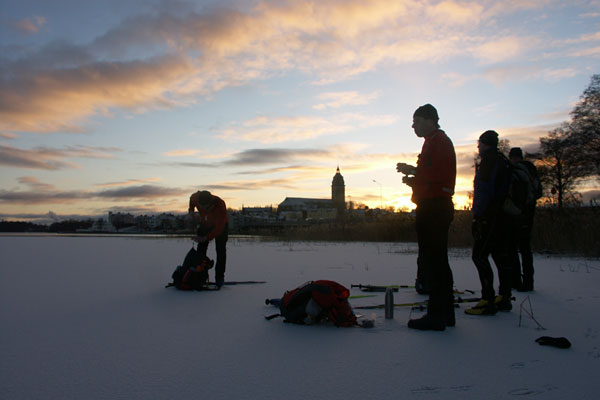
(30, 25)
(200, 53)
(58, 100)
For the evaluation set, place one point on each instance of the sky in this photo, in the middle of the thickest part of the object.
(132, 105)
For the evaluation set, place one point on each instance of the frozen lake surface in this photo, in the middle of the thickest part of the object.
(89, 318)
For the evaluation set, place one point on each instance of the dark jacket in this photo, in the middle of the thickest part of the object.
(489, 185)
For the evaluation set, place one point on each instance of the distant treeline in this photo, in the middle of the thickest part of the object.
(68, 226)
(570, 230)
(567, 230)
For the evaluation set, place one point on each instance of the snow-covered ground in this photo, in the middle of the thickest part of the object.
(89, 318)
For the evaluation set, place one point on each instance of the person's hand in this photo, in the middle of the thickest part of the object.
(406, 169)
(477, 228)
(408, 180)
(199, 239)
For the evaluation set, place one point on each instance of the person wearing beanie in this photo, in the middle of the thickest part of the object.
(492, 230)
(432, 182)
(211, 221)
(523, 279)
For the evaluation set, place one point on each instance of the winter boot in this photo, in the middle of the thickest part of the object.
(526, 286)
(503, 303)
(484, 307)
(428, 323)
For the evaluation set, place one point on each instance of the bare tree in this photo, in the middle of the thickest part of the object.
(585, 127)
(559, 165)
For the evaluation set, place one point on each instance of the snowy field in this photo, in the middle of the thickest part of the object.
(90, 318)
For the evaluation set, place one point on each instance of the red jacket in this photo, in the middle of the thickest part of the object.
(436, 168)
(214, 218)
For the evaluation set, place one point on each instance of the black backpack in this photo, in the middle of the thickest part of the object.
(520, 191)
(193, 274)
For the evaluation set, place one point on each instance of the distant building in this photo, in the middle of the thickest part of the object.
(299, 208)
(338, 193)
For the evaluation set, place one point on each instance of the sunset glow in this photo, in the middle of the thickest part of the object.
(123, 105)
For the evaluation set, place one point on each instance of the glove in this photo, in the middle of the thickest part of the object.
(199, 239)
(561, 342)
(406, 169)
(408, 180)
(477, 227)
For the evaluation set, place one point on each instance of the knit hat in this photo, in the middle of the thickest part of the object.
(204, 198)
(427, 112)
(490, 138)
(516, 152)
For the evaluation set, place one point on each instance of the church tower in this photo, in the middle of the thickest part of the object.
(338, 193)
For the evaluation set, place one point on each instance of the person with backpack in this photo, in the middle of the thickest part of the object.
(432, 182)
(211, 221)
(492, 227)
(524, 278)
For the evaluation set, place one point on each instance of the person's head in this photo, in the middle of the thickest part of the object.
(487, 140)
(204, 198)
(515, 154)
(425, 120)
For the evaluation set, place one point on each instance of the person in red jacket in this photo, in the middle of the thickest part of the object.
(212, 224)
(432, 182)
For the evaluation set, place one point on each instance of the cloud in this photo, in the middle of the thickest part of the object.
(34, 183)
(587, 52)
(33, 159)
(129, 182)
(455, 79)
(30, 25)
(163, 59)
(182, 152)
(343, 99)
(7, 135)
(502, 49)
(143, 192)
(57, 100)
(456, 13)
(273, 156)
(47, 195)
(41, 197)
(283, 129)
(51, 159)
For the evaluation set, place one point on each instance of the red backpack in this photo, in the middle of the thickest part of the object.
(324, 300)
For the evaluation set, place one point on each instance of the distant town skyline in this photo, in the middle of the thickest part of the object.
(131, 106)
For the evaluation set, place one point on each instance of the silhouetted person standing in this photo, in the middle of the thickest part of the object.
(212, 224)
(524, 278)
(432, 189)
(492, 228)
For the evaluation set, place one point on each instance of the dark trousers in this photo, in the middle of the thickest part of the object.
(221, 247)
(433, 218)
(494, 236)
(524, 266)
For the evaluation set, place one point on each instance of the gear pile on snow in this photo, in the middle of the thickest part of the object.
(316, 301)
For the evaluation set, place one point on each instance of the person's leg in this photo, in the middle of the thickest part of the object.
(435, 223)
(526, 254)
(482, 247)
(504, 243)
(422, 284)
(221, 247)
